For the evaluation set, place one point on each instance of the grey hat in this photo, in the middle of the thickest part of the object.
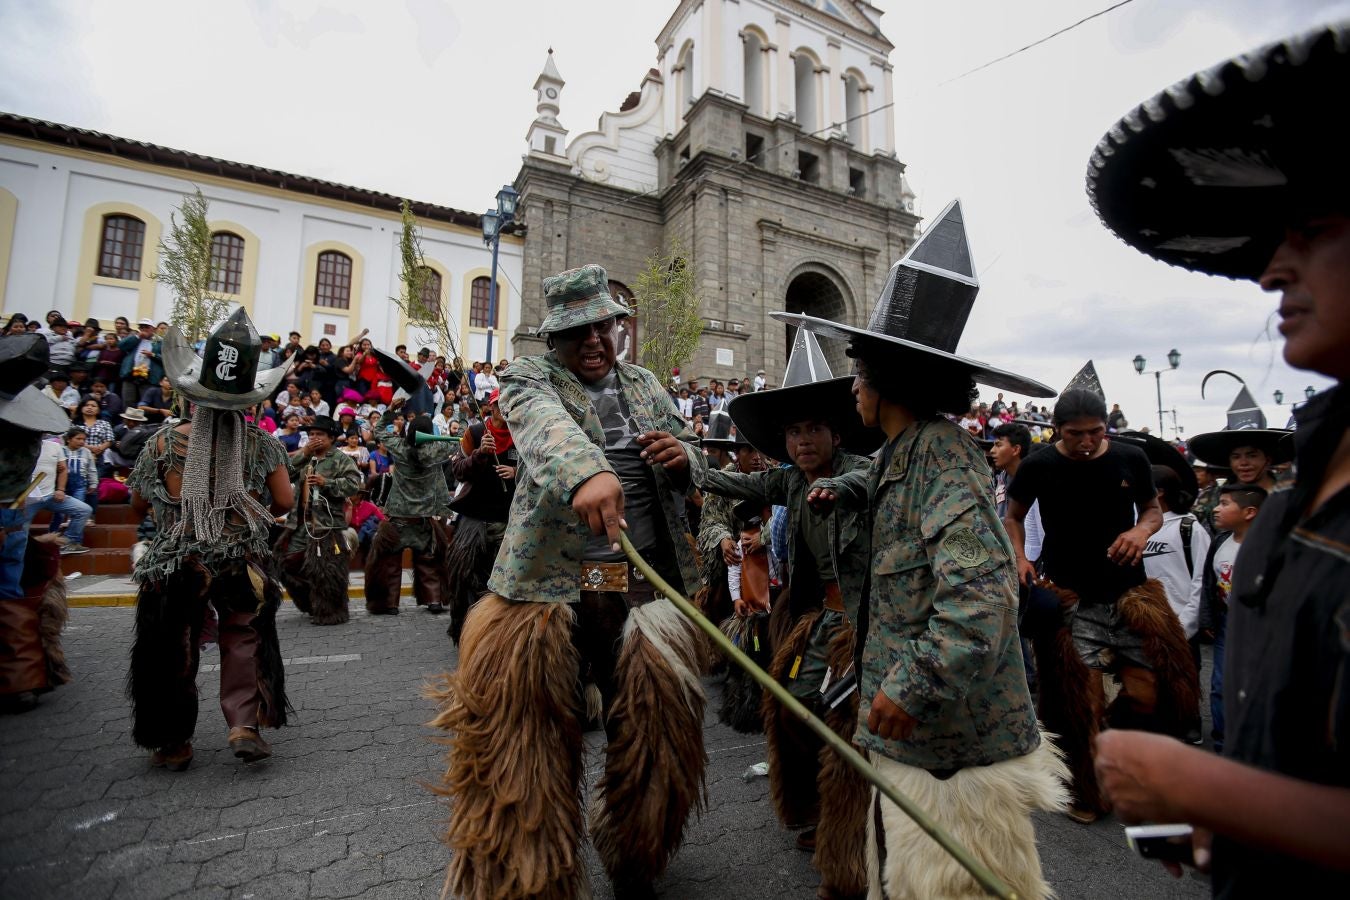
(23, 360)
(226, 376)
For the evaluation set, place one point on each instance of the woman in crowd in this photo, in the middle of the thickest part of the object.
(98, 431)
(107, 364)
(157, 401)
(290, 434)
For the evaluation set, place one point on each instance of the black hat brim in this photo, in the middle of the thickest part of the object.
(981, 372)
(399, 372)
(1215, 447)
(1206, 174)
(761, 417)
(1161, 453)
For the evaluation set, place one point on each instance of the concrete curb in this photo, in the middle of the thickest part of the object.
(125, 599)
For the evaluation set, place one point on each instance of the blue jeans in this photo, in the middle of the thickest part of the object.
(78, 511)
(11, 554)
(1216, 685)
(75, 488)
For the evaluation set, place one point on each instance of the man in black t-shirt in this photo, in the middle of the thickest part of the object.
(1098, 509)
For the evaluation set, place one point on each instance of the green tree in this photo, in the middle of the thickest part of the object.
(667, 308)
(423, 307)
(185, 265)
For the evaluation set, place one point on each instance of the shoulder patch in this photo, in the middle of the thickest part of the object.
(965, 548)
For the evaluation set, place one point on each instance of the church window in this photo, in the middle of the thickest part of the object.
(808, 167)
(804, 69)
(333, 287)
(430, 292)
(480, 302)
(120, 251)
(551, 146)
(754, 149)
(227, 263)
(754, 73)
(857, 182)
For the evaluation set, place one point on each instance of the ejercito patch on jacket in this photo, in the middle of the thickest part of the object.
(965, 548)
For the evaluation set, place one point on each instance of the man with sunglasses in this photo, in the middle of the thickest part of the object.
(603, 449)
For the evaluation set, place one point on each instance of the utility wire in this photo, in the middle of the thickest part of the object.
(837, 125)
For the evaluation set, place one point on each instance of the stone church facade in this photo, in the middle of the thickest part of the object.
(763, 142)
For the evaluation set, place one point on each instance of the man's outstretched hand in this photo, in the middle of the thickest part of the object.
(599, 503)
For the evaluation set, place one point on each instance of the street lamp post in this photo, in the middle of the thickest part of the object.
(1308, 393)
(1173, 360)
(494, 222)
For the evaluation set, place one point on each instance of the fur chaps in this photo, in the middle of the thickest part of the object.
(654, 759)
(1145, 611)
(514, 775)
(317, 578)
(742, 697)
(52, 616)
(793, 750)
(985, 808)
(840, 855)
(468, 565)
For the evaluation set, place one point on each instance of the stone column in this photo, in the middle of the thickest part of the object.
(785, 76)
(835, 83)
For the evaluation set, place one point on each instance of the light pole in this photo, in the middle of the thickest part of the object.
(1174, 360)
(1308, 393)
(494, 222)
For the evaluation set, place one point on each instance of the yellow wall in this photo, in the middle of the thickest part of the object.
(9, 211)
(90, 244)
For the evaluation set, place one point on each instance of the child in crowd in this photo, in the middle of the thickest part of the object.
(81, 473)
(1238, 505)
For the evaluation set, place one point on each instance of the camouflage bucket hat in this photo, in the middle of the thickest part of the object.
(579, 297)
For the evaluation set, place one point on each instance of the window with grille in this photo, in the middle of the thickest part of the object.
(480, 303)
(120, 252)
(333, 287)
(227, 263)
(431, 291)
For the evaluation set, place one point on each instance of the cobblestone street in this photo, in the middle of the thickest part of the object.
(342, 808)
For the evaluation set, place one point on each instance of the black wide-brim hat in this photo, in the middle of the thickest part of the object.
(23, 360)
(1214, 448)
(1161, 453)
(1207, 174)
(762, 417)
(324, 424)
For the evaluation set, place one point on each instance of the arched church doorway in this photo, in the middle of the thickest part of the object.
(815, 294)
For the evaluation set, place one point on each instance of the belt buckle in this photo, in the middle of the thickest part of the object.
(595, 577)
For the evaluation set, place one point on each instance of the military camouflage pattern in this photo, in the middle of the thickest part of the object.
(941, 635)
(561, 444)
(1205, 504)
(717, 522)
(326, 511)
(578, 297)
(419, 475)
(787, 487)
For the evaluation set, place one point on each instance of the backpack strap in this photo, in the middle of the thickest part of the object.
(1187, 526)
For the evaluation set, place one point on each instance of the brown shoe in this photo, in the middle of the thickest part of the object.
(248, 744)
(175, 759)
(807, 839)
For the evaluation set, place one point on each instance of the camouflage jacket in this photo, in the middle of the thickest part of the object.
(941, 634)
(561, 444)
(419, 475)
(327, 503)
(787, 487)
(717, 522)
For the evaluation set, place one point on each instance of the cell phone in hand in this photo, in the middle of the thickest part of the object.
(1165, 843)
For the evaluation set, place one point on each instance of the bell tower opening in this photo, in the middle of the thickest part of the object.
(815, 294)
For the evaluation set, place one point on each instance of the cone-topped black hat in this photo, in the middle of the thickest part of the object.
(226, 375)
(1086, 380)
(1161, 453)
(1246, 428)
(809, 391)
(924, 307)
(720, 434)
(23, 360)
(1207, 174)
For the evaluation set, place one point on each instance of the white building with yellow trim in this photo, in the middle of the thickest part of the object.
(82, 214)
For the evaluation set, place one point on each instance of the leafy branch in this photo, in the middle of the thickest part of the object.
(185, 265)
(669, 311)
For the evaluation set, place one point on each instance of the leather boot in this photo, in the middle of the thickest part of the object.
(175, 759)
(248, 744)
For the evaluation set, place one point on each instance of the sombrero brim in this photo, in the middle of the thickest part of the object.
(400, 373)
(1215, 447)
(981, 372)
(34, 411)
(1207, 174)
(723, 443)
(760, 417)
(183, 367)
(1161, 453)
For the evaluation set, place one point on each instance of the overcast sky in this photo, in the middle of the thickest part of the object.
(431, 99)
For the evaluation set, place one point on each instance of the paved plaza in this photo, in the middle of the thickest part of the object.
(342, 809)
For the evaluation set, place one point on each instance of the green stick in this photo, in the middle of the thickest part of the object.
(987, 879)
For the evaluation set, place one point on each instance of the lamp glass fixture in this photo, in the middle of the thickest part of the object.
(1174, 358)
(490, 219)
(1309, 392)
(507, 198)
(1279, 397)
(1139, 363)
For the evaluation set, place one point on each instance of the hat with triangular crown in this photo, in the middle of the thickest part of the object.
(809, 391)
(226, 375)
(924, 307)
(1246, 428)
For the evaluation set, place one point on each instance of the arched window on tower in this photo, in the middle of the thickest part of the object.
(853, 110)
(754, 73)
(804, 67)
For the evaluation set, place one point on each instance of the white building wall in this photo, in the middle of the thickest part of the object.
(56, 190)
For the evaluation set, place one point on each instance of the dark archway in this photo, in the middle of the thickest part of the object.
(814, 294)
